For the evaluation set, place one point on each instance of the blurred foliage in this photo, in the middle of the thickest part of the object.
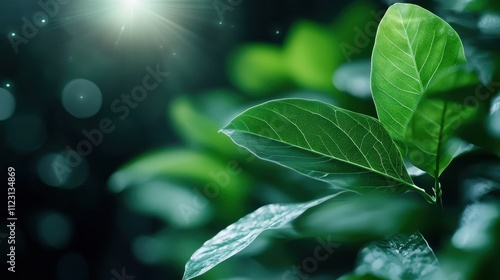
(200, 187)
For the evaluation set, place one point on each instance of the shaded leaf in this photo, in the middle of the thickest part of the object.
(323, 142)
(473, 252)
(400, 257)
(416, 53)
(239, 235)
(363, 218)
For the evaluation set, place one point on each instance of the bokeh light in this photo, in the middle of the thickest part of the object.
(54, 229)
(26, 133)
(7, 104)
(60, 170)
(82, 98)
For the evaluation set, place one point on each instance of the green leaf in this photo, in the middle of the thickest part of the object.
(311, 53)
(258, 69)
(209, 178)
(239, 235)
(323, 142)
(197, 126)
(416, 53)
(400, 257)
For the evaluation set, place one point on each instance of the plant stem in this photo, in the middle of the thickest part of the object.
(438, 193)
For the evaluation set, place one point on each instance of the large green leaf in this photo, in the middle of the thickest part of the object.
(323, 142)
(239, 235)
(416, 53)
(400, 257)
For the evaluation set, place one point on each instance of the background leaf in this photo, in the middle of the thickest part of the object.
(258, 69)
(364, 218)
(239, 235)
(311, 53)
(415, 53)
(400, 257)
(324, 142)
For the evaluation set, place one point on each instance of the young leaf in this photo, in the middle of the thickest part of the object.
(400, 257)
(323, 142)
(239, 235)
(416, 53)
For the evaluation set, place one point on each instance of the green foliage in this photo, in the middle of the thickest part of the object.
(373, 184)
(418, 75)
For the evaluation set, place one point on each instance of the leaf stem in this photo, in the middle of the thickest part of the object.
(438, 193)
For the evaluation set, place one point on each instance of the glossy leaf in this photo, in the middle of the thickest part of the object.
(323, 142)
(400, 257)
(415, 53)
(239, 235)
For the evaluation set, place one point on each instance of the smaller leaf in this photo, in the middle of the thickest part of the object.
(400, 257)
(239, 235)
